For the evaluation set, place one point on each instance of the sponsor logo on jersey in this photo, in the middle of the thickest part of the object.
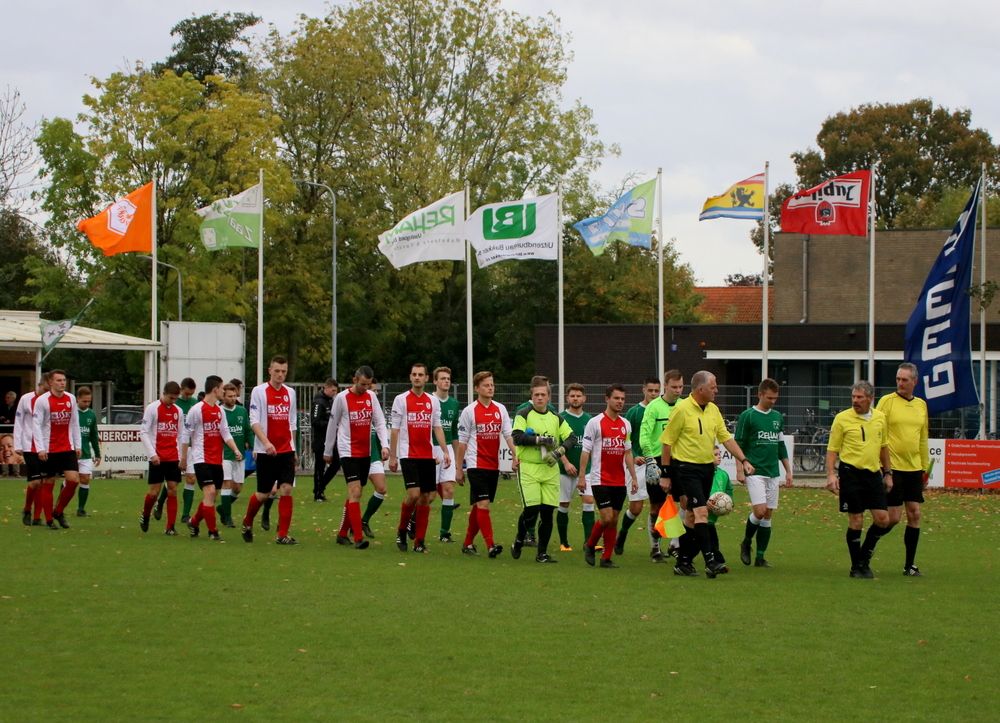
(490, 430)
(359, 416)
(418, 419)
(765, 436)
(278, 411)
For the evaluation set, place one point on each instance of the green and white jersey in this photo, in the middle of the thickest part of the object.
(634, 417)
(88, 434)
(239, 426)
(759, 435)
(186, 404)
(449, 419)
(578, 425)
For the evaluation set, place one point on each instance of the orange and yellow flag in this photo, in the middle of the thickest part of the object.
(125, 225)
(668, 520)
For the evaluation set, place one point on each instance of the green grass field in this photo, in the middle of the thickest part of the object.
(101, 621)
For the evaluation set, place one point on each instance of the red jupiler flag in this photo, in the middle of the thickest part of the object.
(837, 206)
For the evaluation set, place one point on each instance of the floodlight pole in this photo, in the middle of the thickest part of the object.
(333, 274)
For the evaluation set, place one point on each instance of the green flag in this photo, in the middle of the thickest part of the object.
(233, 221)
(54, 331)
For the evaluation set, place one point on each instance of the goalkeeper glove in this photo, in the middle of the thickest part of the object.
(552, 457)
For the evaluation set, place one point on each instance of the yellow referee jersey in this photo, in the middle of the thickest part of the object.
(857, 440)
(907, 421)
(692, 430)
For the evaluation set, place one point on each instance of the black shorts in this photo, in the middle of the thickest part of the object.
(860, 490)
(693, 481)
(164, 472)
(656, 496)
(59, 463)
(208, 474)
(906, 487)
(420, 473)
(356, 469)
(34, 465)
(482, 484)
(606, 496)
(274, 469)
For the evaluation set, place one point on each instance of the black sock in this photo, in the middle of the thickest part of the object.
(652, 529)
(713, 536)
(854, 546)
(751, 530)
(163, 496)
(526, 522)
(688, 547)
(704, 540)
(545, 528)
(910, 538)
(871, 539)
(268, 503)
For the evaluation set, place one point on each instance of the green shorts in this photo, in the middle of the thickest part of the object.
(539, 484)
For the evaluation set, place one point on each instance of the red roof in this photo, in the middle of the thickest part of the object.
(733, 304)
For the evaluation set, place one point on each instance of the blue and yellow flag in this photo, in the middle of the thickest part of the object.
(741, 200)
(630, 219)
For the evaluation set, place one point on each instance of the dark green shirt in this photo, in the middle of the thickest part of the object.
(88, 434)
(578, 425)
(449, 420)
(634, 417)
(239, 426)
(759, 436)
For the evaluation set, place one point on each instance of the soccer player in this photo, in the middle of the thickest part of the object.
(481, 427)
(653, 423)
(538, 380)
(758, 432)
(906, 416)
(634, 416)
(859, 438)
(160, 435)
(204, 433)
(688, 454)
(323, 471)
(24, 445)
(376, 474)
(415, 418)
(273, 418)
(569, 465)
(720, 483)
(58, 443)
(185, 401)
(446, 474)
(542, 439)
(356, 414)
(233, 470)
(606, 443)
(91, 456)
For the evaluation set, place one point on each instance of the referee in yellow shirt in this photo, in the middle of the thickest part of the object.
(688, 461)
(907, 419)
(859, 436)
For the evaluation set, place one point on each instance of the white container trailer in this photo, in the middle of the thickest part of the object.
(197, 349)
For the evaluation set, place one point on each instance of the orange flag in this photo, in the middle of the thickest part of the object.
(668, 520)
(125, 225)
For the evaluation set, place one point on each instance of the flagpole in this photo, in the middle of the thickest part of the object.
(661, 359)
(561, 333)
(468, 305)
(152, 385)
(260, 286)
(765, 277)
(871, 277)
(982, 310)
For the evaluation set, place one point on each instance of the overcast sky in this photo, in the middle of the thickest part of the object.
(707, 91)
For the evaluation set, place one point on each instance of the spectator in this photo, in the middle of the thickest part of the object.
(10, 461)
(8, 408)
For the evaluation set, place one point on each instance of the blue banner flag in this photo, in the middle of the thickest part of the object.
(630, 219)
(938, 338)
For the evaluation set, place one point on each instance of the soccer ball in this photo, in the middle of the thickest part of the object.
(720, 503)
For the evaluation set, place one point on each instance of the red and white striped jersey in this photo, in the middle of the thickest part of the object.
(205, 431)
(415, 416)
(24, 423)
(57, 424)
(275, 411)
(161, 429)
(352, 418)
(482, 428)
(607, 441)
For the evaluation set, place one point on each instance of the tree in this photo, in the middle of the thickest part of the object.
(19, 241)
(17, 150)
(210, 45)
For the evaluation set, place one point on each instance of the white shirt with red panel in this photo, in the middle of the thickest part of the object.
(161, 430)
(607, 441)
(352, 418)
(482, 428)
(57, 424)
(275, 411)
(206, 431)
(415, 416)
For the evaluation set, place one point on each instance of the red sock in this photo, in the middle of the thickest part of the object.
(208, 512)
(473, 529)
(252, 506)
(171, 510)
(486, 524)
(29, 497)
(595, 534)
(423, 516)
(147, 504)
(345, 522)
(284, 515)
(610, 535)
(47, 488)
(354, 515)
(405, 513)
(65, 496)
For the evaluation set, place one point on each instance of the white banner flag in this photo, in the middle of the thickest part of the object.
(434, 233)
(525, 229)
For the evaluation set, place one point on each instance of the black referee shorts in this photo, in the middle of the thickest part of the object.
(860, 490)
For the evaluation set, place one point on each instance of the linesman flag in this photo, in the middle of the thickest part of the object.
(741, 200)
(838, 206)
(668, 520)
(630, 219)
(126, 225)
(234, 221)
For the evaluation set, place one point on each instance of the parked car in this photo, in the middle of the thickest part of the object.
(124, 414)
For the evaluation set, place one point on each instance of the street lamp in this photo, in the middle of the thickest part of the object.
(180, 285)
(333, 274)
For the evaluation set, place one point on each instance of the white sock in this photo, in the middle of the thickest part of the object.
(448, 503)
(753, 519)
(588, 507)
(765, 523)
(562, 510)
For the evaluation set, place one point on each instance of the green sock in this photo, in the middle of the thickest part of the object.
(163, 497)
(227, 507)
(562, 524)
(447, 511)
(374, 502)
(763, 537)
(188, 498)
(82, 493)
(588, 524)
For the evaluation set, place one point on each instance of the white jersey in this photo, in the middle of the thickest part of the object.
(206, 431)
(352, 419)
(57, 423)
(24, 424)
